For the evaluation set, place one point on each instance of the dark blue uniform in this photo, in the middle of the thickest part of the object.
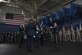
(30, 30)
(56, 36)
(21, 34)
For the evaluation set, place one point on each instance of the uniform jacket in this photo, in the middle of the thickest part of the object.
(30, 29)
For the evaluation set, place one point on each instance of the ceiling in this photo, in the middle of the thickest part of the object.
(34, 8)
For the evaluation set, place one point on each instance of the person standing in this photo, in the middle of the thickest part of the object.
(37, 35)
(64, 33)
(60, 35)
(21, 35)
(41, 37)
(30, 31)
(56, 35)
(78, 35)
(73, 35)
(68, 35)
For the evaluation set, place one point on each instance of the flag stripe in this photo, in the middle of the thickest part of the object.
(17, 19)
(14, 20)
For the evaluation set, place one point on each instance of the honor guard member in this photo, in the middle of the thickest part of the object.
(64, 34)
(68, 35)
(78, 34)
(30, 31)
(21, 35)
(60, 35)
(51, 33)
(73, 35)
(37, 35)
(42, 37)
(56, 37)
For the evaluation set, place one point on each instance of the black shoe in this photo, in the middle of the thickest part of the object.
(29, 50)
(37, 46)
(19, 46)
(56, 46)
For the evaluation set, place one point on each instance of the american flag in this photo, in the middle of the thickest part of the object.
(14, 19)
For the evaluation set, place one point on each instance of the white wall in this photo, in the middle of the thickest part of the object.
(5, 9)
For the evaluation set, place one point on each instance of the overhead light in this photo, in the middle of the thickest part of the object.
(22, 12)
(1, 0)
(4, 1)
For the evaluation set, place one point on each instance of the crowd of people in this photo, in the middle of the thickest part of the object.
(70, 34)
(33, 32)
(40, 34)
(8, 37)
